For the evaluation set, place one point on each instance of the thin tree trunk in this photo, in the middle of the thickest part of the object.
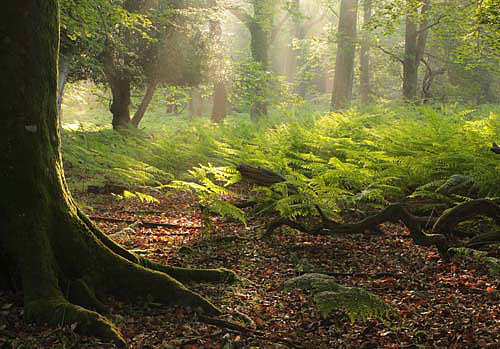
(146, 100)
(415, 41)
(219, 96)
(364, 56)
(410, 65)
(344, 64)
(260, 51)
(120, 92)
(219, 108)
(195, 105)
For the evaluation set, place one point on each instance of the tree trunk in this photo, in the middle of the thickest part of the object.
(219, 97)
(364, 56)
(410, 64)
(219, 108)
(146, 100)
(63, 78)
(120, 105)
(344, 63)
(62, 261)
(259, 31)
(195, 105)
(415, 40)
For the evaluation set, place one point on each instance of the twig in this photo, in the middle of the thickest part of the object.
(236, 327)
(389, 53)
(198, 338)
(380, 275)
(144, 224)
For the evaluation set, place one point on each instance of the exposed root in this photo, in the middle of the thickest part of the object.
(60, 312)
(79, 293)
(453, 216)
(393, 213)
(180, 274)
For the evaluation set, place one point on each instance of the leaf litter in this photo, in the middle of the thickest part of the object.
(439, 304)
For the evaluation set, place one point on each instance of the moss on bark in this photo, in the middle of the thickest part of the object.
(55, 253)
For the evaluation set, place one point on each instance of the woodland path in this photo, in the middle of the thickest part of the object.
(440, 304)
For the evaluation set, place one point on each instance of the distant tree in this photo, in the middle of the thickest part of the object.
(219, 107)
(84, 25)
(48, 247)
(364, 55)
(297, 64)
(415, 41)
(344, 63)
(260, 25)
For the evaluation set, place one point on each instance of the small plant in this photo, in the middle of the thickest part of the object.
(143, 198)
(210, 185)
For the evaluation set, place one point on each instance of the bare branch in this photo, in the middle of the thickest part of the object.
(390, 54)
(427, 27)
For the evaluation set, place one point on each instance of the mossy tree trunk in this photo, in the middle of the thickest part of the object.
(62, 261)
(260, 27)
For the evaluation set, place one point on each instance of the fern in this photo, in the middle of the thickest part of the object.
(209, 192)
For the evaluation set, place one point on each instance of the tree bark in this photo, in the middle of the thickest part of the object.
(344, 63)
(120, 104)
(146, 100)
(219, 108)
(195, 105)
(62, 261)
(364, 56)
(259, 25)
(415, 41)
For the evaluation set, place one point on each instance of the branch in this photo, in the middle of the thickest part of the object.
(427, 27)
(450, 218)
(390, 54)
(241, 14)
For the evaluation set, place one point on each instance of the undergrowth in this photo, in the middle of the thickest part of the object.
(373, 156)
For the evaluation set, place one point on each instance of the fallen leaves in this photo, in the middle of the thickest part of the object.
(439, 304)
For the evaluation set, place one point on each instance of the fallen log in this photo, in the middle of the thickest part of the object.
(259, 175)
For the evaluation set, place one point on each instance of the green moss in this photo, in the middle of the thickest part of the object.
(329, 296)
(59, 312)
(313, 282)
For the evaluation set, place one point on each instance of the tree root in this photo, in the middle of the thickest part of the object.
(235, 327)
(393, 213)
(75, 263)
(453, 216)
(396, 213)
(60, 312)
(178, 273)
(144, 224)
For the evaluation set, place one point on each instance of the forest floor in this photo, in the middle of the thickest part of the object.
(440, 304)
